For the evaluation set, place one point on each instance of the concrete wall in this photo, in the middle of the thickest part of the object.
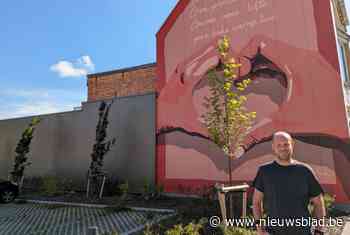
(63, 142)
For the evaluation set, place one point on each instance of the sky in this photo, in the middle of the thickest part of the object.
(48, 47)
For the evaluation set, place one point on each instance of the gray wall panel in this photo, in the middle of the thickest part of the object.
(63, 142)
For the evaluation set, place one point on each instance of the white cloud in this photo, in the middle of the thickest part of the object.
(81, 67)
(67, 69)
(22, 103)
(32, 108)
(87, 62)
(24, 93)
(35, 108)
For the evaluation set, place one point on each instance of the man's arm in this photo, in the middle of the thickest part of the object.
(257, 209)
(319, 209)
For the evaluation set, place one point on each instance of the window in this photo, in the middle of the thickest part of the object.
(344, 71)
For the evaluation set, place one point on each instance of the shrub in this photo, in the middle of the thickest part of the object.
(148, 230)
(190, 229)
(147, 191)
(100, 149)
(32, 184)
(22, 149)
(328, 201)
(152, 191)
(111, 186)
(236, 231)
(123, 188)
(159, 189)
(50, 185)
(200, 227)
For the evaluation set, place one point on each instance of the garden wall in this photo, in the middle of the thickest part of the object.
(63, 142)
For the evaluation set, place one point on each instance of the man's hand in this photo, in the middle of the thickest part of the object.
(257, 210)
(319, 209)
(261, 231)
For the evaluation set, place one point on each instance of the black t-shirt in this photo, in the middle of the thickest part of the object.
(287, 191)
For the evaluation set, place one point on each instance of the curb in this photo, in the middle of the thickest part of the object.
(67, 203)
(99, 206)
(151, 209)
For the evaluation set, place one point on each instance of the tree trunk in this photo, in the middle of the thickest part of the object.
(230, 169)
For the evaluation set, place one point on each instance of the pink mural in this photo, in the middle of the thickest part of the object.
(288, 49)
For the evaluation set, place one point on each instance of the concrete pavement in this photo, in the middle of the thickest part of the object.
(35, 218)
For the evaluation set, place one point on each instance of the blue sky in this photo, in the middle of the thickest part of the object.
(48, 47)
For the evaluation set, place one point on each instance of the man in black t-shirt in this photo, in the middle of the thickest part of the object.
(285, 187)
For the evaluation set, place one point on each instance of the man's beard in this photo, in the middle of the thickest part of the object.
(284, 156)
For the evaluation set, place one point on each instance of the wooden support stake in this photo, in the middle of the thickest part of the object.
(222, 202)
(103, 184)
(244, 204)
(87, 187)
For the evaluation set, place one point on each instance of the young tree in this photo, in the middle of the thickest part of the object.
(22, 149)
(227, 119)
(100, 149)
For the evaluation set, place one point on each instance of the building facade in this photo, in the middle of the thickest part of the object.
(296, 53)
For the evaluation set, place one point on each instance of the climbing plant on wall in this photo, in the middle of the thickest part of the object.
(101, 147)
(22, 149)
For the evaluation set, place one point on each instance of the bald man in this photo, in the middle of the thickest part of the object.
(286, 187)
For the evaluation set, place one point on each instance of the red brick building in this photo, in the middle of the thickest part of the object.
(136, 80)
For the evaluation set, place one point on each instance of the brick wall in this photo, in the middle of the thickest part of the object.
(124, 82)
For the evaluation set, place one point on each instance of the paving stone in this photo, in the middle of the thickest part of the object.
(40, 219)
